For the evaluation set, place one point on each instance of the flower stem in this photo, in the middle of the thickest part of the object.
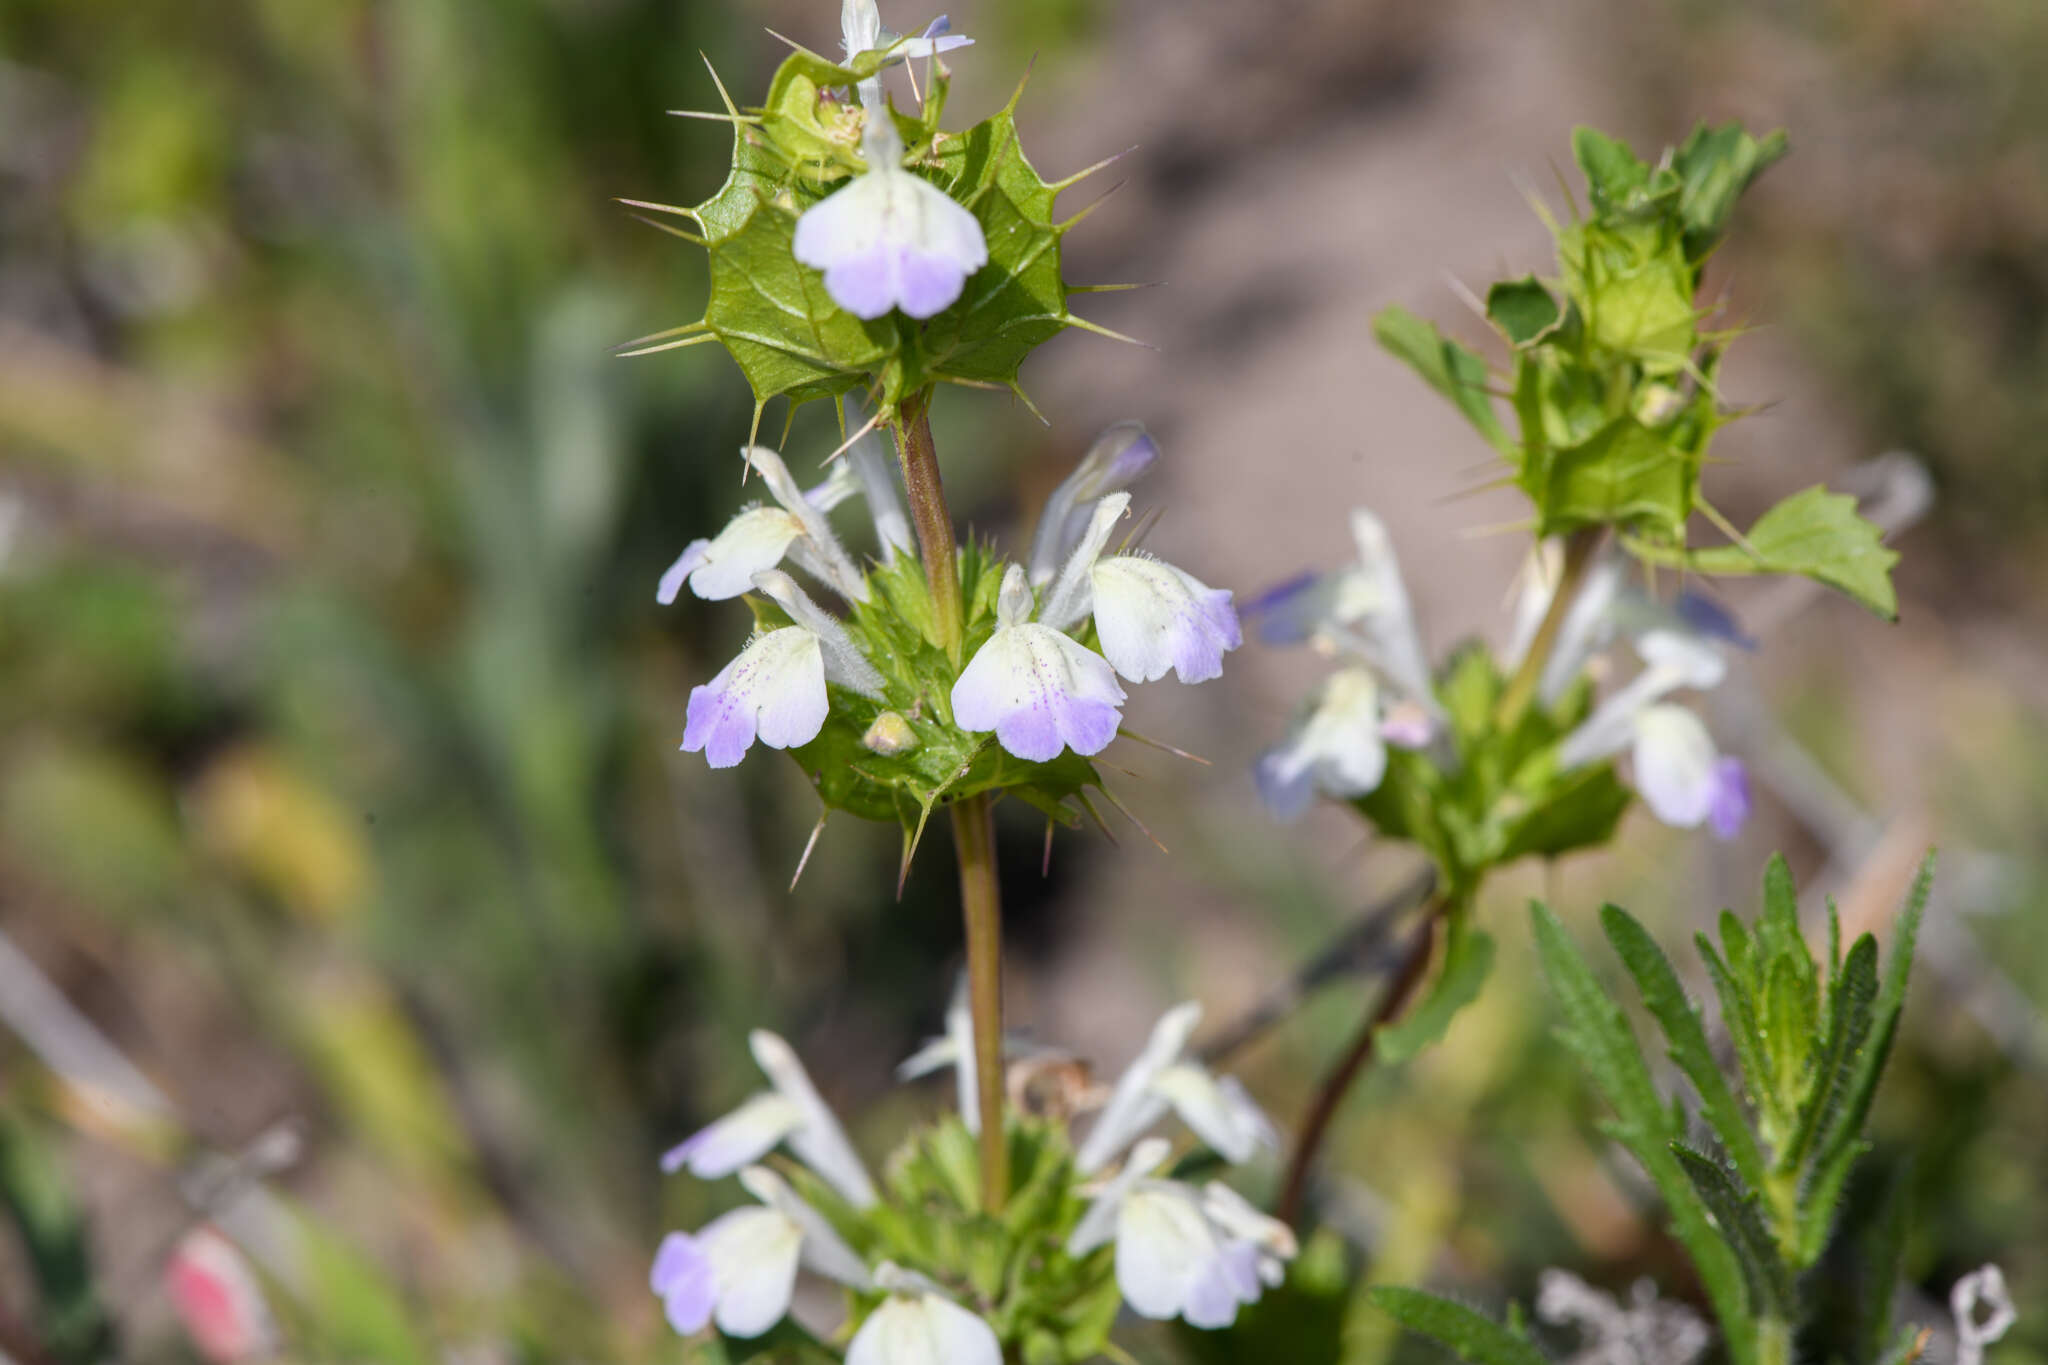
(1315, 1124)
(974, 839)
(933, 520)
(982, 907)
(1579, 550)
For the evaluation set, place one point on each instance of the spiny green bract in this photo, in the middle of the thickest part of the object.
(896, 757)
(774, 314)
(1011, 1267)
(1613, 374)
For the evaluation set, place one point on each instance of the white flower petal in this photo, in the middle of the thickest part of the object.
(1234, 1215)
(1336, 747)
(1688, 660)
(1153, 618)
(1117, 459)
(739, 1139)
(774, 691)
(1163, 1243)
(753, 1253)
(1067, 601)
(1220, 1112)
(923, 1329)
(824, 1250)
(844, 663)
(1099, 1223)
(819, 1141)
(754, 540)
(1041, 692)
(890, 239)
(1134, 1106)
(1676, 764)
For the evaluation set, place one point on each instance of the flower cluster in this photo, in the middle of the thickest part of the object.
(1110, 1206)
(1383, 693)
(1049, 639)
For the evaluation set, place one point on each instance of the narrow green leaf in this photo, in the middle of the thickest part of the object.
(1788, 1030)
(1741, 950)
(1472, 1335)
(1779, 924)
(1452, 370)
(1738, 1016)
(1680, 1020)
(1818, 534)
(1891, 1001)
(1884, 1254)
(1735, 1211)
(1614, 174)
(1818, 1201)
(1468, 957)
(1834, 1066)
(1523, 309)
(1598, 1034)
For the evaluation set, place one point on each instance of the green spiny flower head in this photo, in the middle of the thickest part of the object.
(854, 246)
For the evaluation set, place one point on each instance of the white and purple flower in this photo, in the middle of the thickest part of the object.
(860, 30)
(775, 690)
(1040, 690)
(1160, 1079)
(1182, 1252)
(1683, 777)
(890, 239)
(790, 1112)
(1120, 456)
(739, 1270)
(919, 1325)
(759, 537)
(1337, 746)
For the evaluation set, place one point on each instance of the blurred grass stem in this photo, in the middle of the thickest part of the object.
(974, 839)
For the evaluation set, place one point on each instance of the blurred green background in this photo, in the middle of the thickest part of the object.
(338, 783)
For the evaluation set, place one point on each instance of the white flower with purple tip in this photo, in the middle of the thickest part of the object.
(889, 239)
(739, 1270)
(860, 30)
(1198, 1255)
(1683, 778)
(1337, 746)
(775, 690)
(758, 538)
(1038, 689)
(1160, 1079)
(791, 1112)
(1120, 456)
(1152, 618)
(1361, 610)
(919, 1325)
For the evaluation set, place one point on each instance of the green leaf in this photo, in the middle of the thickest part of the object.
(1883, 1261)
(1452, 370)
(1735, 1210)
(1523, 309)
(1472, 1335)
(1818, 534)
(1891, 1002)
(1694, 1056)
(1714, 166)
(1614, 175)
(1468, 957)
(1598, 1034)
(1624, 474)
(1738, 1016)
(1850, 1014)
(1579, 810)
(1820, 1198)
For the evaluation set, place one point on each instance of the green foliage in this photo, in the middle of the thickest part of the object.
(69, 1320)
(1011, 1268)
(896, 758)
(1468, 958)
(1811, 1040)
(1472, 1335)
(1504, 798)
(774, 315)
(1612, 373)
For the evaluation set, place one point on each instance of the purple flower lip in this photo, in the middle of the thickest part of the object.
(1709, 618)
(1270, 615)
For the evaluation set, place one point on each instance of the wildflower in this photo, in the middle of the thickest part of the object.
(790, 1112)
(759, 537)
(775, 690)
(919, 1325)
(1361, 610)
(860, 30)
(889, 239)
(219, 1300)
(1182, 1252)
(955, 1049)
(1683, 778)
(740, 1268)
(1120, 456)
(870, 469)
(1152, 618)
(1038, 689)
(1158, 1079)
(1338, 746)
